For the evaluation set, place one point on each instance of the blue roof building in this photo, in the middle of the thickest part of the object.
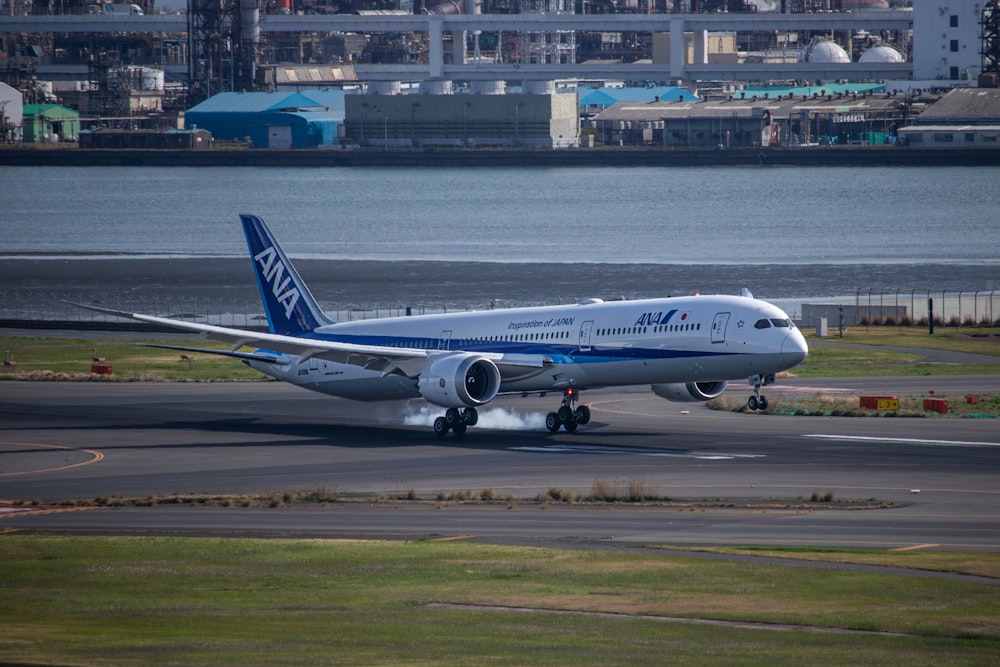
(600, 98)
(306, 119)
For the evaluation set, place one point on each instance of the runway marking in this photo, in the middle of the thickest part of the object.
(619, 411)
(96, 457)
(619, 451)
(51, 510)
(916, 546)
(904, 441)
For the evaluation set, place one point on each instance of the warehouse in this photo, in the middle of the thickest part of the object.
(50, 123)
(746, 121)
(307, 119)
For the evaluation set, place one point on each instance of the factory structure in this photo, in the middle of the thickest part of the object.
(500, 73)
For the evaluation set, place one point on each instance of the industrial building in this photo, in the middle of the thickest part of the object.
(964, 118)
(144, 65)
(50, 123)
(596, 99)
(823, 117)
(547, 119)
(310, 119)
(11, 114)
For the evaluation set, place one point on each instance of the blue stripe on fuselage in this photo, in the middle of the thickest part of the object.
(559, 353)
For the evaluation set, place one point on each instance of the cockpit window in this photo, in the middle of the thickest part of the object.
(781, 323)
(762, 324)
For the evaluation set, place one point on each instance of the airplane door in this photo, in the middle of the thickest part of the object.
(719, 327)
(585, 330)
(445, 341)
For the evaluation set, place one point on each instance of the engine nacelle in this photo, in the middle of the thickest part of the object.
(459, 381)
(690, 392)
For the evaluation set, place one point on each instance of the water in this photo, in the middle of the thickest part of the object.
(877, 217)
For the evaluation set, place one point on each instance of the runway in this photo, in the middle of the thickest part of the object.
(66, 441)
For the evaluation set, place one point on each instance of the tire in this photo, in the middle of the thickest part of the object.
(459, 430)
(470, 417)
(552, 422)
(752, 403)
(582, 415)
(569, 426)
(452, 416)
(762, 403)
(566, 415)
(440, 427)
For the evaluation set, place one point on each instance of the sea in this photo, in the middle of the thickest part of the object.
(799, 229)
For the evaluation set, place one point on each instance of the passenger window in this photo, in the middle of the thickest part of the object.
(762, 324)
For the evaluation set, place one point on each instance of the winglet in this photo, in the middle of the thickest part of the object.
(290, 308)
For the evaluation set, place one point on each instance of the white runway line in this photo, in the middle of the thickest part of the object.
(904, 441)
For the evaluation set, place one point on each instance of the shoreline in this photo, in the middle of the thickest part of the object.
(828, 156)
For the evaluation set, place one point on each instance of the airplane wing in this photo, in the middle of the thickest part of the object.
(408, 361)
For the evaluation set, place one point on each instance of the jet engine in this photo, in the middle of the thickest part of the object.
(459, 381)
(690, 392)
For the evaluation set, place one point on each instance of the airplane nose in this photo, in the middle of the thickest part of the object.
(794, 349)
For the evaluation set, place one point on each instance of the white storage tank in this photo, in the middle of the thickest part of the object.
(384, 88)
(152, 79)
(487, 87)
(436, 87)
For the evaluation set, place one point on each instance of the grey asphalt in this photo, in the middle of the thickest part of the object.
(83, 441)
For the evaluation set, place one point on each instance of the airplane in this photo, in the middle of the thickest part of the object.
(686, 348)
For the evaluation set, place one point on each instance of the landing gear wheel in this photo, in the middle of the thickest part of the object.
(565, 414)
(762, 403)
(470, 417)
(552, 422)
(752, 403)
(452, 416)
(460, 430)
(440, 427)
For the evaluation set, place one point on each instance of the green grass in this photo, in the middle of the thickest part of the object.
(41, 358)
(874, 360)
(131, 600)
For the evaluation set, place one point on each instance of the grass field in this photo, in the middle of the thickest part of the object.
(67, 358)
(135, 600)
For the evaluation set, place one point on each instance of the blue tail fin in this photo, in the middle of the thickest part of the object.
(290, 308)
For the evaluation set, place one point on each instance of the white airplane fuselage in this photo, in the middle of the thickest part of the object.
(591, 344)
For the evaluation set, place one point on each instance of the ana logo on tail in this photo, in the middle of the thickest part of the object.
(277, 276)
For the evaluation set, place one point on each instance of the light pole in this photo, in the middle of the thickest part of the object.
(465, 123)
(517, 132)
(364, 115)
(413, 129)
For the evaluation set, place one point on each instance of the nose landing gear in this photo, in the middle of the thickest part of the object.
(757, 401)
(567, 416)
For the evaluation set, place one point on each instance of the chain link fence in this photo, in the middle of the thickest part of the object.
(30, 309)
(41, 309)
(906, 307)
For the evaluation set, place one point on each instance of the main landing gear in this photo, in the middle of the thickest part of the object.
(758, 402)
(455, 420)
(568, 417)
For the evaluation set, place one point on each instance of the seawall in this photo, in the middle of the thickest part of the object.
(874, 156)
